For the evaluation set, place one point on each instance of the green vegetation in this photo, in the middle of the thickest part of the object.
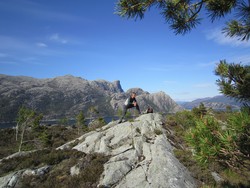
(26, 118)
(60, 161)
(38, 137)
(208, 141)
(64, 121)
(234, 80)
(81, 122)
(44, 140)
(183, 16)
(158, 131)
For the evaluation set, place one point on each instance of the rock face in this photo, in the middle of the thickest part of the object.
(66, 96)
(140, 155)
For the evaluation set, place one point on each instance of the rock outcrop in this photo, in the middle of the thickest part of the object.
(140, 155)
(66, 96)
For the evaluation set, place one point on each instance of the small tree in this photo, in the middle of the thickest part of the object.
(80, 121)
(64, 121)
(200, 111)
(26, 117)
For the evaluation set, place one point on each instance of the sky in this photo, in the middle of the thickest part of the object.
(85, 38)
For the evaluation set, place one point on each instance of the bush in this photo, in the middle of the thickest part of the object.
(185, 118)
(202, 139)
(229, 145)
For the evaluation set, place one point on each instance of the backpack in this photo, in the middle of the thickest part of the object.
(150, 110)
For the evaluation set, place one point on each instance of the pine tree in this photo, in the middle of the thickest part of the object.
(234, 80)
(26, 117)
(80, 121)
(184, 15)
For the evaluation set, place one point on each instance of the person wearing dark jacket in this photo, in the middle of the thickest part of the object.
(130, 103)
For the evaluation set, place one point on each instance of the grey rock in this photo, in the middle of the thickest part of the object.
(139, 156)
(217, 177)
(10, 180)
(74, 170)
(37, 172)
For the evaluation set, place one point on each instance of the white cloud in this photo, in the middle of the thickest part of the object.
(217, 36)
(41, 44)
(56, 38)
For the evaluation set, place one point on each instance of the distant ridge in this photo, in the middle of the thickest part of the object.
(219, 102)
(66, 96)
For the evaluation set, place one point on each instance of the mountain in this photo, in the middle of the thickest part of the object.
(219, 102)
(66, 96)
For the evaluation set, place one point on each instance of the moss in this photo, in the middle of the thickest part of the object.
(138, 130)
(158, 131)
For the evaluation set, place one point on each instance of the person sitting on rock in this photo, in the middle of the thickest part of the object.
(130, 103)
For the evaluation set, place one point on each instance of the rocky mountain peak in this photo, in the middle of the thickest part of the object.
(66, 96)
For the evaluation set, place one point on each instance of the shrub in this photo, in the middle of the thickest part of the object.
(229, 145)
(202, 139)
(185, 118)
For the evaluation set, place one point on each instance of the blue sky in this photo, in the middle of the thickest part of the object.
(50, 38)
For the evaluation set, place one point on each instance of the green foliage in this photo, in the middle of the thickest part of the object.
(202, 139)
(119, 112)
(101, 121)
(234, 80)
(64, 121)
(217, 142)
(185, 119)
(26, 118)
(93, 111)
(81, 122)
(128, 114)
(183, 16)
(97, 123)
(240, 27)
(228, 145)
(200, 111)
(158, 131)
(45, 138)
